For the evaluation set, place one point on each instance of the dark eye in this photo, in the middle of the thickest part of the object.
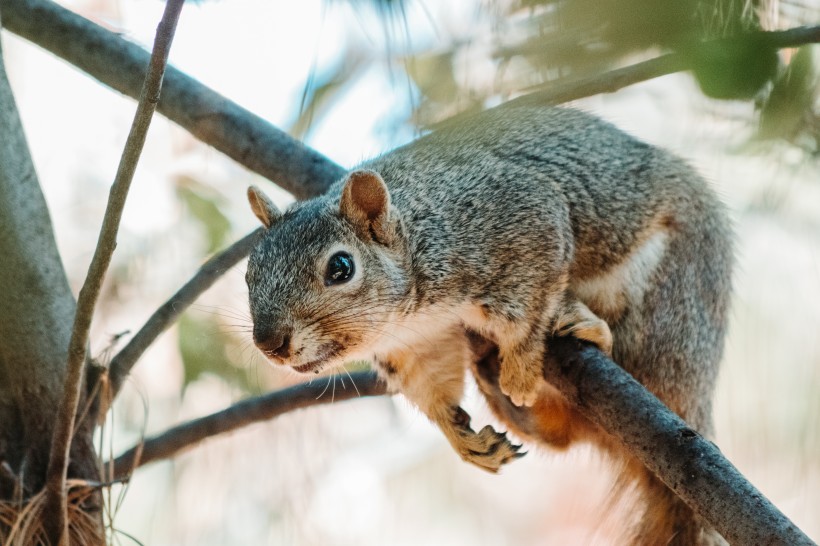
(340, 268)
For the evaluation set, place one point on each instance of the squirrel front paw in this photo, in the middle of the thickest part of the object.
(520, 381)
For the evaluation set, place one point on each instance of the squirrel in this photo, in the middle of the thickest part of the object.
(518, 223)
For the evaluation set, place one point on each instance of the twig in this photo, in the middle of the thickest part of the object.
(56, 498)
(241, 135)
(691, 466)
(170, 311)
(561, 91)
(793, 37)
(615, 80)
(241, 414)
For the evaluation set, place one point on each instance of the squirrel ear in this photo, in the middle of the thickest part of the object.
(366, 204)
(263, 207)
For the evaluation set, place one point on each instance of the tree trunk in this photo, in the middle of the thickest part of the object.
(36, 313)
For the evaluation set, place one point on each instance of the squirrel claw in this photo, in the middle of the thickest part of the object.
(489, 450)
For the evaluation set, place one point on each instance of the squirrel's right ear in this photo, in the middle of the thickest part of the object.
(366, 204)
(263, 207)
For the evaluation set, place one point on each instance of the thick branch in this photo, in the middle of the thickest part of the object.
(56, 499)
(691, 466)
(245, 137)
(170, 311)
(247, 412)
(210, 117)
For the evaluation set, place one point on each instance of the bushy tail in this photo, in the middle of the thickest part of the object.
(658, 516)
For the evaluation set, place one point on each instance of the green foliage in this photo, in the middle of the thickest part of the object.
(734, 68)
(537, 43)
(206, 208)
(202, 344)
(789, 111)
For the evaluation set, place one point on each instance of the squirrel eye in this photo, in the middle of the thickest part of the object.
(340, 268)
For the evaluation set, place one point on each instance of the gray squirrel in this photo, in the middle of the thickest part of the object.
(519, 223)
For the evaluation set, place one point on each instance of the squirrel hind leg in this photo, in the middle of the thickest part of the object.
(576, 319)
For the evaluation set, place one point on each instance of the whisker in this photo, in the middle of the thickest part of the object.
(324, 390)
(351, 381)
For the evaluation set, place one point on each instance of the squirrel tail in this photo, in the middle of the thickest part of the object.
(660, 518)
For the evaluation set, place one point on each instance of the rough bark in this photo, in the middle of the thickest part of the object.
(210, 117)
(36, 309)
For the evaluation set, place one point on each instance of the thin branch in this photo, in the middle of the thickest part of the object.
(241, 135)
(560, 92)
(563, 91)
(170, 311)
(691, 466)
(793, 37)
(609, 82)
(56, 498)
(260, 408)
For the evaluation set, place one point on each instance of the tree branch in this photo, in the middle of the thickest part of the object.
(56, 498)
(241, 135)
(691, 466)
(609, 82)
(598, 391)
(244, 413)
(171, 310)
(562, 91)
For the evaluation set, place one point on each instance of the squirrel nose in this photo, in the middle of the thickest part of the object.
(273, 342)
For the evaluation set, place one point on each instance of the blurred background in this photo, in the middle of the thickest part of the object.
(357, 78)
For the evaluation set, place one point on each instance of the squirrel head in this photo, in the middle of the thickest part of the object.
(327, 275)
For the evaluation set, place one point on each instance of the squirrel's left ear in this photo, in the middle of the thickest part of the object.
(366, 204)
(263, 207)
